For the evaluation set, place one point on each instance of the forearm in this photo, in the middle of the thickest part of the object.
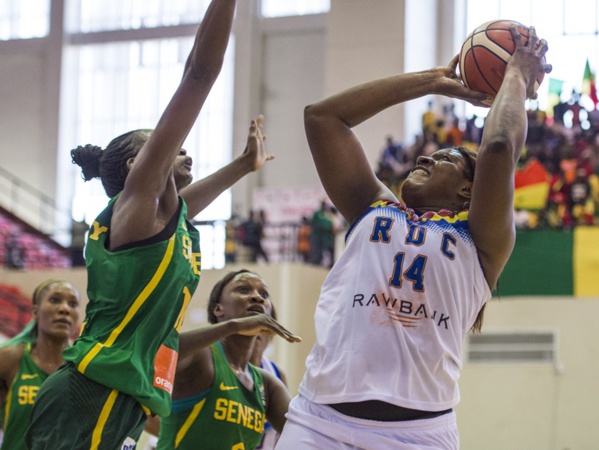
(355, 105)
(203, 192)
(190, 341)
(506, 123)
(207, 55)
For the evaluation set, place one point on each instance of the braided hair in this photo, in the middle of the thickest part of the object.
(110, 165)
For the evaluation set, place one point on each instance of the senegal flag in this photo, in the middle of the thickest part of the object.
(553, 262)
(588, 84)
(531, 186)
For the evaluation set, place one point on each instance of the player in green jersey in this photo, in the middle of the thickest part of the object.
(220, 400)
(143, 265)
(26, 362)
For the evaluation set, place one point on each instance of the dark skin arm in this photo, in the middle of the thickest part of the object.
(195, 368)
(340, 160)
(149, 198)
(10, 359)
(277, 401)
(491, 215)
(152, 425)
(203, 192)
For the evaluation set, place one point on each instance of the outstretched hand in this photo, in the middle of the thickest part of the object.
(255, 145)
(529, 58)
(451, 85)
(264, 323)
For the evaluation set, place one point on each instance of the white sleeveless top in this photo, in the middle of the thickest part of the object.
(394, 310)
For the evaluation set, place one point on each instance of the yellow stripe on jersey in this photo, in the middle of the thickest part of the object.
(462, 216)
(99, 428)
(8, 400)
(447, 216)
(189, 422)
(139, 301)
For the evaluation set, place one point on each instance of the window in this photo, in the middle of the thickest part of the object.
(85, 16)
(278, 8)
(114, 87)
(24, 19)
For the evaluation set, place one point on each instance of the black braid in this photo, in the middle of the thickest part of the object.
(88, 158)
(110, 165)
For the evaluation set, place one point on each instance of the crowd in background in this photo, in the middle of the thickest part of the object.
(562, 150)
(311, 241)
(561, 153)
(564, 146)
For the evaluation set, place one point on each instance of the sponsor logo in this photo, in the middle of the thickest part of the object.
(408, 313)
(166, 384)
(26, 376)
(227, 388)
(129, 444)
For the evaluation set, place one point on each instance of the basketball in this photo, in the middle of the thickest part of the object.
(485, 54)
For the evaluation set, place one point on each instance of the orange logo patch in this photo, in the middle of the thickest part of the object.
(165, 365)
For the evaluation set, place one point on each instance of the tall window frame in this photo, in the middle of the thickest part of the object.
(277, 8)
(24, 19)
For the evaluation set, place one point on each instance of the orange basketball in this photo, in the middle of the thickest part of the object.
(485, 54)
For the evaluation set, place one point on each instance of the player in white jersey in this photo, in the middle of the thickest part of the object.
(414, 277)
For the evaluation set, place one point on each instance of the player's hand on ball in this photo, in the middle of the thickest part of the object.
(529, 59)
(451, 85)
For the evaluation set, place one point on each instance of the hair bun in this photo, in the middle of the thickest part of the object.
(88, 158)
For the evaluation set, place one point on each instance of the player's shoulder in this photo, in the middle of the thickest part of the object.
(10, 358)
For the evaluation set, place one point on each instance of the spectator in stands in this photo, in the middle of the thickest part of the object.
(231, 239)
(15, 252)
(580, 204)
(303, 239)
(428, 119)
(454, 134)
(322, 237)
(79, 231)
(252, 232)
(473, 132)
(27, 361)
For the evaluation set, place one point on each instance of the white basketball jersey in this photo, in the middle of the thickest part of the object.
(394, 310)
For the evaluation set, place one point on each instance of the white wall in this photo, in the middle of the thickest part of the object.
(522, 406)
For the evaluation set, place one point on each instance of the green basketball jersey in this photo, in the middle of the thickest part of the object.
(137, 302)
(226, 417)
(27, 335)
(19, 401)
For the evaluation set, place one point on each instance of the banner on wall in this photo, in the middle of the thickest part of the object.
(553, 263)
(288, 204)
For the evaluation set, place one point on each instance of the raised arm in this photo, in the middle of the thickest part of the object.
(195, 369)
(191, 341)
(203, 192)
(340, 159)
(491, 215)
(150, 193)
